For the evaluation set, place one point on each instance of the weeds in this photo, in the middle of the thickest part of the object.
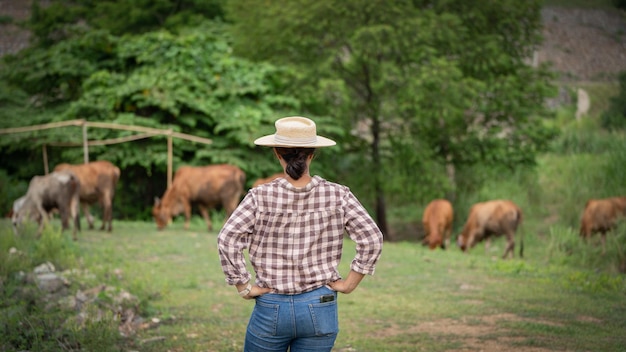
(28, 319)
(566, 247)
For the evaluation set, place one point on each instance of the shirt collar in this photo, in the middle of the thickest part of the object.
(315, 180)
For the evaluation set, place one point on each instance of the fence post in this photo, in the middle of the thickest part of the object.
(44, 150)
(85, 146)
(170, 157)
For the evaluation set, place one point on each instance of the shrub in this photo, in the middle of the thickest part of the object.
(615, 117)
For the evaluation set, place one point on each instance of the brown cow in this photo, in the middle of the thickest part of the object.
(98, 180)
(58, 190)
(206, 186)
(437, 221)
(267, 179)
(492, 218)
(601, 215)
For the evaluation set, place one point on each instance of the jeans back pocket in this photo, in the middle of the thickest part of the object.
(264, 319)
(325, 319)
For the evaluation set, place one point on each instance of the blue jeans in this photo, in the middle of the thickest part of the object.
(296, 322)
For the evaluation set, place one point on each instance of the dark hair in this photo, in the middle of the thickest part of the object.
(295, 159)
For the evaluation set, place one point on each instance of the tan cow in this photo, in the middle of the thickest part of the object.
(268, 179)
(437, 221)
(206, 186)
(57, 190)
(98, 180)
(492, 218)
(601, 215)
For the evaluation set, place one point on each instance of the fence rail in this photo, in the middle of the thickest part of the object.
(147, 132)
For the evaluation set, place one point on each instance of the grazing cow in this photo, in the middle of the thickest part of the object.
(206, 186)
(58, 190)
(437, 221)
(98, 180)
(492, 218)
(267, 179)
(601, 215)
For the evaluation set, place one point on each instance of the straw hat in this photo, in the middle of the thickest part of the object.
(295, 132)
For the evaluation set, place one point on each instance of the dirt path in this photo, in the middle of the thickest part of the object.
(489, 333)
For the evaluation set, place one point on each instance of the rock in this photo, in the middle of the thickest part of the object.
(582, 104)
(44, 268)
(50, 282)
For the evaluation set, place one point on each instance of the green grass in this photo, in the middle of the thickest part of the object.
(418, 300)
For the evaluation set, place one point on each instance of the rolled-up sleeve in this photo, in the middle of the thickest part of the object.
(233, 238)
(362, 229)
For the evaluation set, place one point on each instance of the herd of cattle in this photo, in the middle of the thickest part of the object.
(69, 187)
(502, 217)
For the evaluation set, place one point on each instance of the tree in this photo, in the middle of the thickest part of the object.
(188, 81)
(63, 19)
(448, 79)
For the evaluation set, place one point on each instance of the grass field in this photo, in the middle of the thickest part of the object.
(418, 300)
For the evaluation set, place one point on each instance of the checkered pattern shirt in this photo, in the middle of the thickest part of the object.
(294, 236)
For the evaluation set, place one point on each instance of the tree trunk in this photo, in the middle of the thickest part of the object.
(381, 210)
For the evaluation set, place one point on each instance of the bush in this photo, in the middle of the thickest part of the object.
(615, 116)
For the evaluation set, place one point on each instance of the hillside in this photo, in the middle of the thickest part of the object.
(584, 44)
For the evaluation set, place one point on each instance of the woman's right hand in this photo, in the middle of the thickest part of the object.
(256, 291)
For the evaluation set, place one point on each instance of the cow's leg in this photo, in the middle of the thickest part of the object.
(88, 216)
(74, 214)
(107, 212)
(187, 210)
(64, 215)
(447, 232)
(205, 215)
(43, 219)
(510, 246)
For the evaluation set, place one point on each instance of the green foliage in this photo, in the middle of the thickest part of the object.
(574, 179)
(98, 333)
(566, 247)
(614, 118)
(10, 190)
(55, 74)
(29, 251)
(446, 79)
(29, 321)
(64, 19)
(5, 20)
(187, 81)
(584, 137)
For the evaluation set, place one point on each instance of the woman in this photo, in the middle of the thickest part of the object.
(293, 229)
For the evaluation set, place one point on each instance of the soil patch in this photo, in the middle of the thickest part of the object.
(487, 333)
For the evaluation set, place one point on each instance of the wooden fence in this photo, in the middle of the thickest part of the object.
(146, 132)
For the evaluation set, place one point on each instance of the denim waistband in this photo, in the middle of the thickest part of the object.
(305, 296)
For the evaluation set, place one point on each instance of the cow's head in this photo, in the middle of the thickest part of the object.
(18, 218)
(466, 240)
(161, 215)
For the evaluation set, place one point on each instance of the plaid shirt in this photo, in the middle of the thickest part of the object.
(294, 236)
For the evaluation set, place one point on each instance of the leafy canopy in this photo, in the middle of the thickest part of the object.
(447, 80)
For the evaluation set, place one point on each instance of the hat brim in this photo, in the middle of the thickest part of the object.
(270, 141)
